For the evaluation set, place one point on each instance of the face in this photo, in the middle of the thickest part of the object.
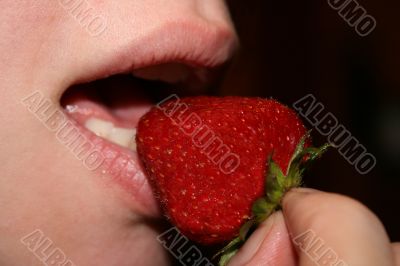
(70, 175)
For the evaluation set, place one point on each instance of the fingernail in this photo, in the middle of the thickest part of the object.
(294, 193)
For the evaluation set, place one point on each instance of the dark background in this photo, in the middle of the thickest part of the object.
(292, 48)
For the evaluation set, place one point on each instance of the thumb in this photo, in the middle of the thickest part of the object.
(330, 229)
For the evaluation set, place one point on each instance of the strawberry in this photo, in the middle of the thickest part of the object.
(208, 158)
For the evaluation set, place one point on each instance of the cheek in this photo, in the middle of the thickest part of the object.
(25, 28)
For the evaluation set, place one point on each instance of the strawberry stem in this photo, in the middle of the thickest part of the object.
(276, 185)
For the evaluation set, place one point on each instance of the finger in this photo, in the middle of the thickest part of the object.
(330, 229)
(270, 244)
(396, 253)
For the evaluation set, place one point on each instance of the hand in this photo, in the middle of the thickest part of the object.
(319, 228)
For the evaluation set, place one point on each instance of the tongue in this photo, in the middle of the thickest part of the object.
(119, 100)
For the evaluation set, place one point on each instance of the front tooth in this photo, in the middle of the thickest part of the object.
(132, 144)
(122, 136)
(99, 127)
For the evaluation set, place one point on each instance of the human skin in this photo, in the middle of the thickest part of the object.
(313, 223)
(44, 187)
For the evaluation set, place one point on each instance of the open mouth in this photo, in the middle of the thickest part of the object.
(107, 112)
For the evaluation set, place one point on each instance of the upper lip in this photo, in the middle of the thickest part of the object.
(207, 46)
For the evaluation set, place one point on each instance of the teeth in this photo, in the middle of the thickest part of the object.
(122, 136)
(99, 127)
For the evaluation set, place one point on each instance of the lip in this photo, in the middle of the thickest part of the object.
(206, 49)
(122, 166)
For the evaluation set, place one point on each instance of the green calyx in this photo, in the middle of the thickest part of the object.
(276, 185)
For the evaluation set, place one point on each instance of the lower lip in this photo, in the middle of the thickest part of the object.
(122, 166)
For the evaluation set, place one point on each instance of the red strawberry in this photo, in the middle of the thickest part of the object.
(207, 159)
